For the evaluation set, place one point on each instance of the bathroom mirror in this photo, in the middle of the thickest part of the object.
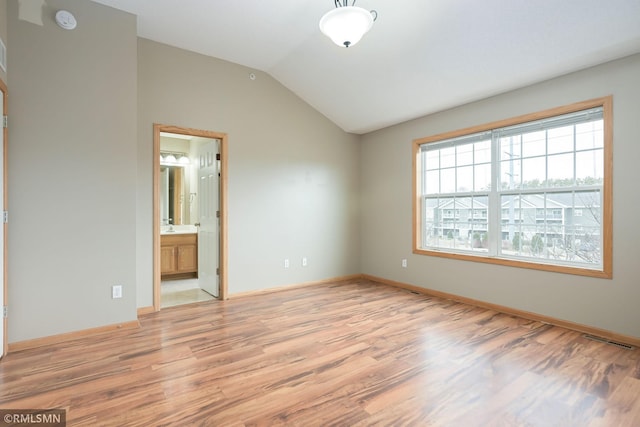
(176, 178)
(172, 192)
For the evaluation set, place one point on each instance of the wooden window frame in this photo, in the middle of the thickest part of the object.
(606, 269)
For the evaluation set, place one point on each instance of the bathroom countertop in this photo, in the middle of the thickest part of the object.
(178, 229)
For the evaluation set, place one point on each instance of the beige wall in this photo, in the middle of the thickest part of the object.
(72, 170)
(386, 233)
(3, 32)
(293, 175)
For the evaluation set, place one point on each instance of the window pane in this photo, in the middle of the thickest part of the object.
(479, 226)
(448, 180)
(533, 144)
(432, 159)
(543, 226)
(510, 174)
(464, 154)
(576, 238)
(582, 244)
(589, 167)
(510, 221)
(443, 229)
(432, 225)
(590, 203)
(465, 178)
(560, 140)
(587, 228)
(510, 147)
(458, 223)
(560, 170)
(448, 157)
(482, 152)
(533, 241)
(432, 184)
(482, 177)
(533, 172)
(590, 135)
(529, 205)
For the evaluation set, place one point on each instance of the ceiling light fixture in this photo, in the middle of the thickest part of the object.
(345, 24)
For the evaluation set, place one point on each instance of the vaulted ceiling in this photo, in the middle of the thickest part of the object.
(420, 57)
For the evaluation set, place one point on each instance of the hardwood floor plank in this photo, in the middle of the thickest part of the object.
(353, 353)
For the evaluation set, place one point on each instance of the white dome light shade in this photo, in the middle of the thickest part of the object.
(346, 25)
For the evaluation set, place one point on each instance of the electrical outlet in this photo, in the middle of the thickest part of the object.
(304, 261)
(116, 291)
(286, 263)
(404, 263)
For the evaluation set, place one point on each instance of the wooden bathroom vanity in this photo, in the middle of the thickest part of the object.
(178, 255)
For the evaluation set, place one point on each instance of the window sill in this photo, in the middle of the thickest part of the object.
(603, 273)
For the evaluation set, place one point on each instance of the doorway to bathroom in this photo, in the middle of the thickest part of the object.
(189, 215)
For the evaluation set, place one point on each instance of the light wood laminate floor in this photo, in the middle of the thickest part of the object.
(354, 353)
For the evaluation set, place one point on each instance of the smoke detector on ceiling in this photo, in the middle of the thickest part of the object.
(66, 20)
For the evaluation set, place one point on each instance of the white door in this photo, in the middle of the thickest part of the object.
(208, 232)
(3, 327)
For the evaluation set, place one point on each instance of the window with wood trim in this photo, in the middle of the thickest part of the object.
(532, 191)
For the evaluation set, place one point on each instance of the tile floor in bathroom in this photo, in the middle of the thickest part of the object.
(177, 292)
